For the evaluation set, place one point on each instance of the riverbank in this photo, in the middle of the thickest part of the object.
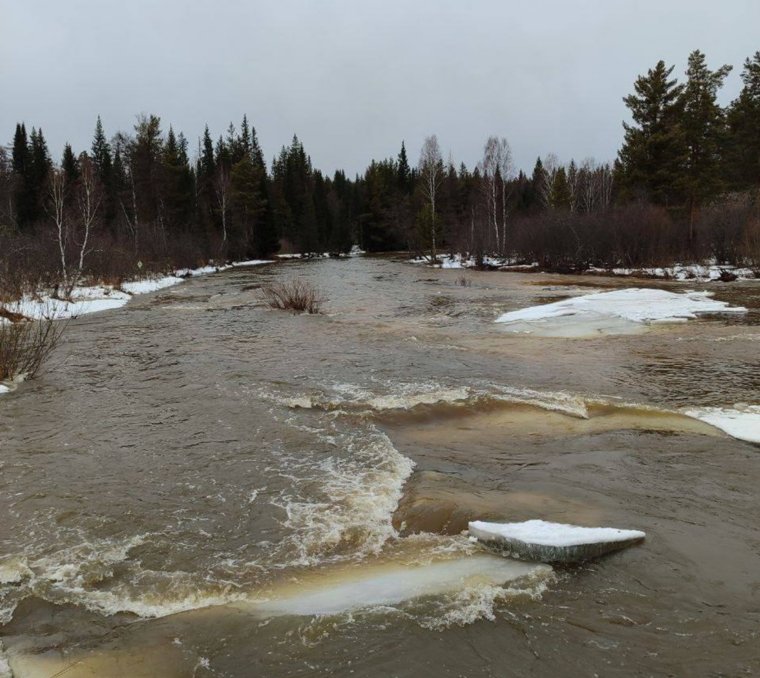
(698, 272)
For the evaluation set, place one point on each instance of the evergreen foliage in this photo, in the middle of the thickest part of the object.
(681, 150)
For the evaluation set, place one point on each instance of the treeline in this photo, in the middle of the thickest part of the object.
(683, 187)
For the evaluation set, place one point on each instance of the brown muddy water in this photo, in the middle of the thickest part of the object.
(201, 486)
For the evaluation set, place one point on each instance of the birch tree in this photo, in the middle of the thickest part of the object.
(431, 175)
(497, 168)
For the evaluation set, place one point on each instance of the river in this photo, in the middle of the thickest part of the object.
(197, 485)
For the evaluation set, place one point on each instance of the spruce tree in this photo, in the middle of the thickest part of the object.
(404, 171)
(703, 124)
(540, 185)
(70, 165)
(103, 162)
(21, 163)
(20, 157)
(742, 160)
(653, 153)
(559, 196)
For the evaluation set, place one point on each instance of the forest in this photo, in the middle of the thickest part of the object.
(685, 187)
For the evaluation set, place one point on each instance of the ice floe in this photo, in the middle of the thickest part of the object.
(543, 541)
(742, 422)
(604, 311)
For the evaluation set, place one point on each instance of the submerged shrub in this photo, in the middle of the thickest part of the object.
(293, 295)
(26, 345)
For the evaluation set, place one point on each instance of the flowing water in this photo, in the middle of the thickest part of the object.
(201, 486)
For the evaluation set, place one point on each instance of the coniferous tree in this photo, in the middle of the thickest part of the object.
(653, 153)
(560, 197)
(70, 165)
(102, 160)
(540, 186)
(21, 164)
(703, 125)
(403, 171)
(742, 158)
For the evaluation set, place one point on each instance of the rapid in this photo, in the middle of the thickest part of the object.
(198, 485)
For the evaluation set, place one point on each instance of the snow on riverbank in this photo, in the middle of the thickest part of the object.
(742, 422)
(94, 298)
(595, 311)
(699, 272)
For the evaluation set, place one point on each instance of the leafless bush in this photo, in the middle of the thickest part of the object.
(293, 295)
(463, 281)
(26, 345)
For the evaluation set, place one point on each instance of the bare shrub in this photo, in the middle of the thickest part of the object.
(26, 345)
(293, 295)
(463, 281)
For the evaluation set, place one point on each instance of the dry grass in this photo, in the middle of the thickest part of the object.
(25, 346)
(294, 295)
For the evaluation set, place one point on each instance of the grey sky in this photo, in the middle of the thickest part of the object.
(354, 78)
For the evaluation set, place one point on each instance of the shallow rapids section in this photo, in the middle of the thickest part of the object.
(194, 455)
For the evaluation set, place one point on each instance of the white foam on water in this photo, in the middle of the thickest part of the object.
(5, 668)
(350, 398)
(343, 499)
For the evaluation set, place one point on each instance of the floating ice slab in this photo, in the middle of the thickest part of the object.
(542, 541)
(743, 423)
(632, 305)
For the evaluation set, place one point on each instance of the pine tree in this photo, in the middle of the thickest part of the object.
(653, 153)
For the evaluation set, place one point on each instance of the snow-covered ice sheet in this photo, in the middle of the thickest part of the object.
(553, 542)
(634, 305)
(742, 422)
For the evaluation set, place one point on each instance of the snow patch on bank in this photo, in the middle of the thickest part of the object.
(634, 305)
(95, 298)
(709, 272)
(700, 272)
(742, 422)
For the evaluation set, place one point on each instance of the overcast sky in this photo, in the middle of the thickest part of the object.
(354, 77)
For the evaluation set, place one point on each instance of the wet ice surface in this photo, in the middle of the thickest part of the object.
(217, 453)
(740, 422)
(544, 541)
(616, 312)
